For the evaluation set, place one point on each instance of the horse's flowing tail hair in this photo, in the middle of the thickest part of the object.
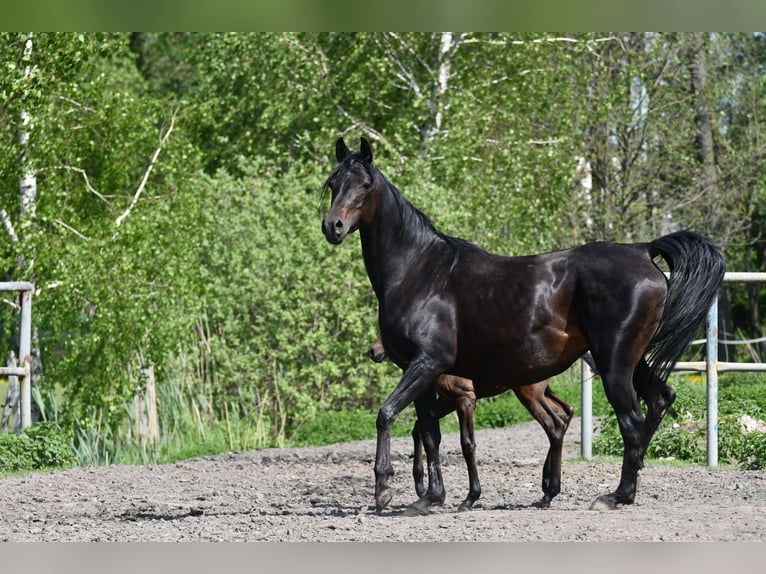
(696, 274)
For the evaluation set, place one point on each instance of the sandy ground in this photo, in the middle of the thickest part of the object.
(326, 494)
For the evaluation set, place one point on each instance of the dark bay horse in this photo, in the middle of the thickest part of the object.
(457, 393)
(447, 306)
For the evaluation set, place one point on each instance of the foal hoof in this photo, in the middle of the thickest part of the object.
(603, 503)
(420, 506)
(416, 509)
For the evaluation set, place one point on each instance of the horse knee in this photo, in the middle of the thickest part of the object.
(386, 418)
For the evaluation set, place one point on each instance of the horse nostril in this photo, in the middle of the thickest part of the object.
(338, 224)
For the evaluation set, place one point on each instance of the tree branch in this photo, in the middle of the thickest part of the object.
(148, 171)
(72, 229)
(8, 224)
(84, 175)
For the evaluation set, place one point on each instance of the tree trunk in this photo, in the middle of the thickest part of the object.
(703, 116)
(447, 45)
(28, 208)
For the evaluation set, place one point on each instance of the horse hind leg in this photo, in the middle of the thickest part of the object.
(622, 396)
(657, 395)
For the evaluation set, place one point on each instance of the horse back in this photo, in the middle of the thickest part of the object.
(532, 316)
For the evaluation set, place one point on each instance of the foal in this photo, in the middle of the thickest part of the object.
(549, 410)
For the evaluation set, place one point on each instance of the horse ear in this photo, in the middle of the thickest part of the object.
(366, 150)
(341, 151)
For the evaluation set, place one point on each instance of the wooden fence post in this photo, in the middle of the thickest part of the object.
(12, 404)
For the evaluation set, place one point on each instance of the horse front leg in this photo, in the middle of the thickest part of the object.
(417, 378)
(430, 434)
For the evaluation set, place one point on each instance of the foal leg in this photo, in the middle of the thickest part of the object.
(561, 412)
(466, 407)
(554, 415)
(445, 407)
(417, 459)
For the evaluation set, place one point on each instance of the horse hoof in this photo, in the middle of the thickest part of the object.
(543, 503)
(382, 499)
(604, 503)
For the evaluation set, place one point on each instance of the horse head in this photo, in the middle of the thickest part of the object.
(354, 188)
(377, 352)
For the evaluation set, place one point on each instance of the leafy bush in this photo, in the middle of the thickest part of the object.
(39, 447)
(51, 447)
(753, 452)
(15, 453)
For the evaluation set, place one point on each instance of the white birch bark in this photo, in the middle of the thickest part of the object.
(28, 183)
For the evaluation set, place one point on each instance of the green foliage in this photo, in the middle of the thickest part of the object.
(752, 455)
(15, 453)
(289, 317)
(335, 427)
(42, 446)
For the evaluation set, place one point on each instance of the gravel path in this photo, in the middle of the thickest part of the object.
(326, 494)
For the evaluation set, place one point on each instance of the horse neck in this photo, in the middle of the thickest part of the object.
(397, 235)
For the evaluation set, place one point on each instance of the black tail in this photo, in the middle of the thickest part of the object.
(696, 274)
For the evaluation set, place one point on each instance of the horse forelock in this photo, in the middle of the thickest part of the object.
(345, 167)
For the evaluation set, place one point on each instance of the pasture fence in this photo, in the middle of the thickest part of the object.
(711, 366)
(22, 368)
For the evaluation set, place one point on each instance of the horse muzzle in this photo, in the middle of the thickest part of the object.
(334, 229)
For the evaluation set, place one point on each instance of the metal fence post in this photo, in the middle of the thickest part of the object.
(586, 417)
(25, 358)
(712, 385)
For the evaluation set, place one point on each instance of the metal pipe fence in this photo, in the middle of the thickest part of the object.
(710, 366)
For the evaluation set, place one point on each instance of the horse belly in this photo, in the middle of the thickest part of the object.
(520, 362)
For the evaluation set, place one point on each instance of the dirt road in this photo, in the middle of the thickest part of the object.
(326, 494)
